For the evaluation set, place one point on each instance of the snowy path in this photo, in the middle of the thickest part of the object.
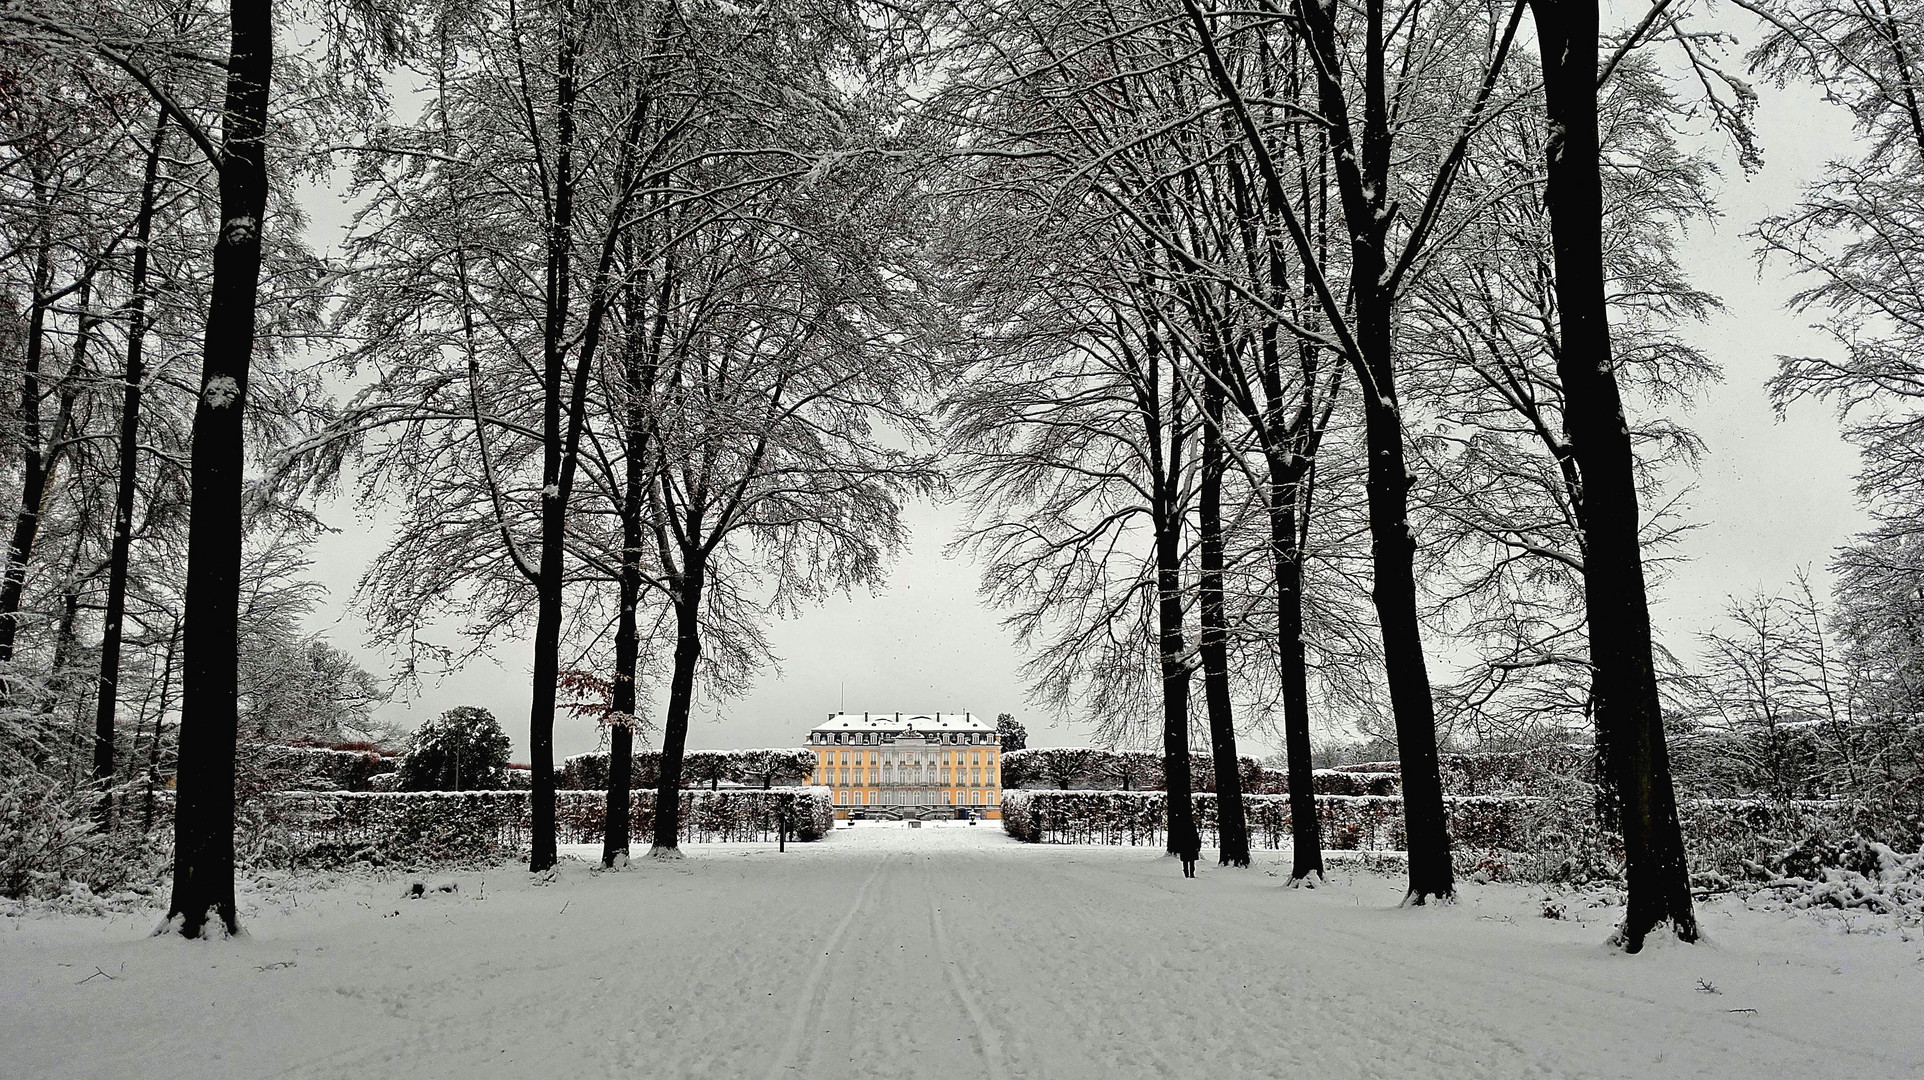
(946, 953)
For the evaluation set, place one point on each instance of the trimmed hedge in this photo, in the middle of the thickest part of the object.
(1349, 822)
(1080, 768)
(766, 768)
(1506, 835)
(437, 826)
(315, 768)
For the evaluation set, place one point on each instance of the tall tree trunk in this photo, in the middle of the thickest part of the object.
(1362, 168)
(1629, 713)
(1232, 829)
(204, 809)
(1162, 419)
(160, 727)
(33, 462)
(119, 553)
(59, 678)
(681, 688)
(1392, 562)
(1183, 835)
(621, 741)
(640, 366)
(1306, 833)
(554, 495)
(1290, 430)
(63, 643)
(1362, 173)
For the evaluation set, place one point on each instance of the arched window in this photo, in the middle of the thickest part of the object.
(975, 797)
(871, 798)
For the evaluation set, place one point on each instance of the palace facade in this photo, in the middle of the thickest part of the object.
(924, 765)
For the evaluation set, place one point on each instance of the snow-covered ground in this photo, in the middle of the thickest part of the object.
(947, 952)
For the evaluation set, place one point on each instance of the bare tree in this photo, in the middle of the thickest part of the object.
(1628, 712)
(780, 377)
(1365, 69)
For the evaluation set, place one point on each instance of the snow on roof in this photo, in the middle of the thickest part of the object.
(883, 721)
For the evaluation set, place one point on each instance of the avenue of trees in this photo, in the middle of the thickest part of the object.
(1302, 364)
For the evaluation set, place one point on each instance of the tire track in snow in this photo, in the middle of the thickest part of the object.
(807, 1016)
(986, 1036)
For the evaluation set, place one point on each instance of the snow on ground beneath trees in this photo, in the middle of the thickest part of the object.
(946, 952)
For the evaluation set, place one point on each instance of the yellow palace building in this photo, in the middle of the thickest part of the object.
(902, 765)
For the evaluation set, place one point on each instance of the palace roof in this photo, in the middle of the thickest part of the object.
(943, 722)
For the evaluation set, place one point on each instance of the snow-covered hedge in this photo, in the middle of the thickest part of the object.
(1065, 768)
(1350, 822)
(1506, 772)
(767, 768)
(316, 768)
(1504, 836)
(435, 826)
(1859, 875)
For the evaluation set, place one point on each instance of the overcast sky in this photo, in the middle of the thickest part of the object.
(1770, 497)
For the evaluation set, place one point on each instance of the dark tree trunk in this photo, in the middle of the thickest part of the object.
(554, 494)
(1306, 833)
(1290, 429)
(204, 808)
(681, 689)
(1362, 170)
(1232, 829)
(643, 344)
(621, 741)
(1362, 175)
(60, 678)
(33, 461)
(122, 544)
(160, 727)
(1392, 562)
(63, 643)
(542, 852)
(565, 395)
(1628, 712)
(1162, 420)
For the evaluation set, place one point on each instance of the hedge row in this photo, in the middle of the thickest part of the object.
(1509, 772)
(1506, 835)
(1085, 767)
(1537, 771)
(766, 768)
(433, 826)
(315, 768)
(1349, 822)
(304, 768)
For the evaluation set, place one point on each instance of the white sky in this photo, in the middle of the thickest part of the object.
(1771, 497)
